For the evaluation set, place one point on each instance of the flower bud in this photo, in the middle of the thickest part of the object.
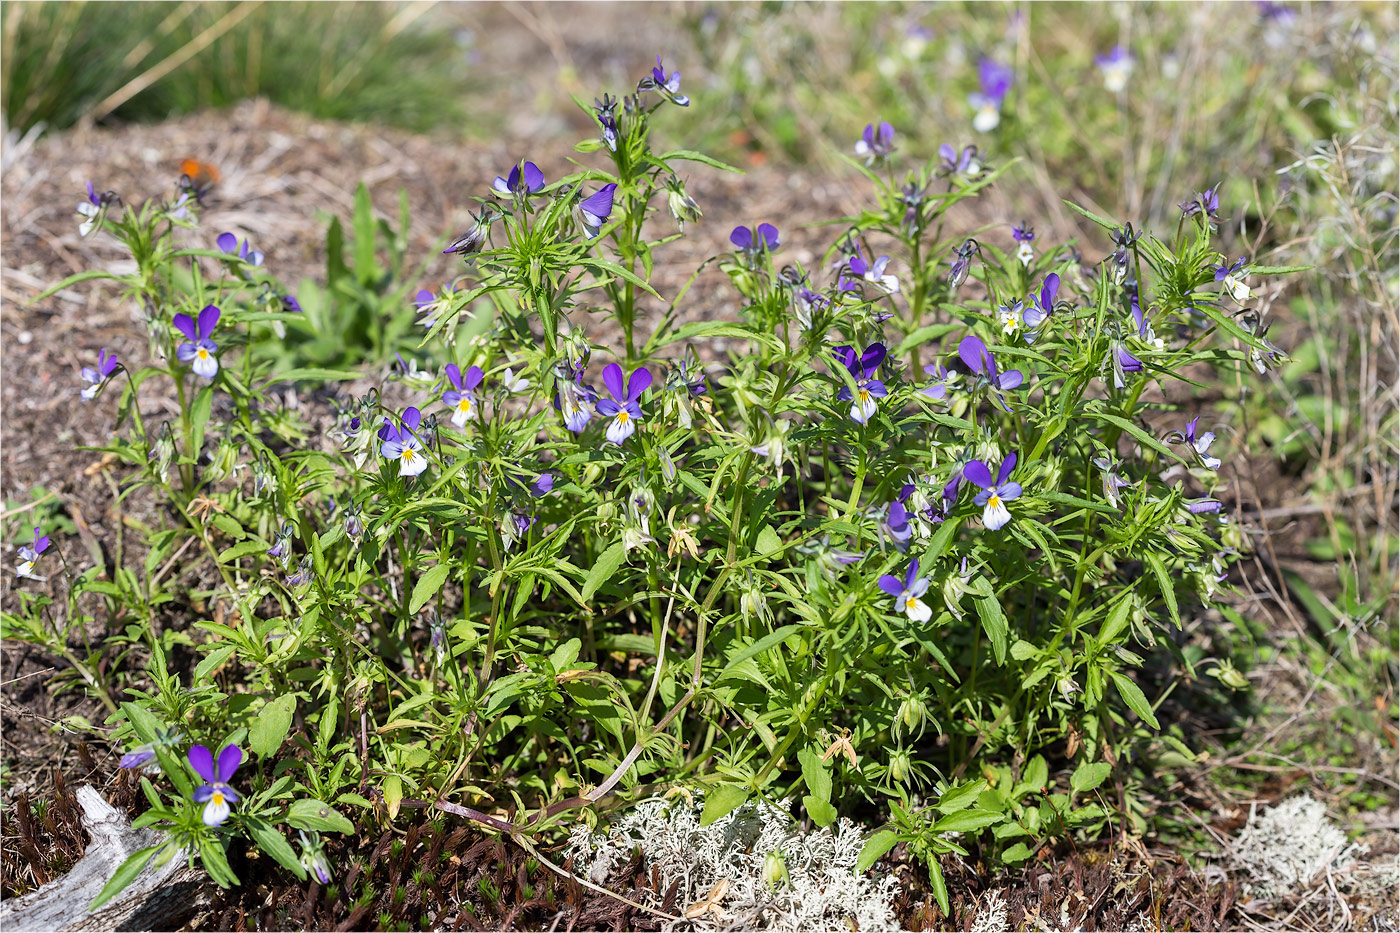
(592, 474)
(1226, 673)
(900, 765)
(774, 870)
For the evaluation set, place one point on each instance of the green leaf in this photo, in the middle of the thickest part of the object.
(768, 541)
(1089, 774)
(603, 570)
(815, 773)
(312, 374)
(274, 844)
(212, 661)
(935, 879)
(1117, 621)
(199, 416)
(690, 155)
(993, 623)
(760, 646)
(965, 821)
(1142, 437)
(428, 586)
(1106, 224)
(821, 812)
(126, 872)
(721, 801)
(1017, 853)
(270, 727)
(1137, 701)
(876, 846)
(1164, 584)
(313, 814)
(960, 797)
(211, 854)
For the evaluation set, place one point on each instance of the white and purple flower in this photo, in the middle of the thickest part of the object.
(97, 378)
(862, 369)
(228, 243)
(524, 179)
(1116, 67)
(595, 209)
(876, 143)
(994, 80)
(461, 399)
(982, 364)
(994, 494)
(403, 444)
(198, 350)
(908, 593)
(1233, 276)
(29, 555)
(215, 794)
(623, 409)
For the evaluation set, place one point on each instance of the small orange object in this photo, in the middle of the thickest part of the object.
(202, 175)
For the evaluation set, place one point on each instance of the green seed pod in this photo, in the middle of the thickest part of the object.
(774, 870)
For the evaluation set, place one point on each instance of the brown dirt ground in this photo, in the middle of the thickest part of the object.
(282, 173)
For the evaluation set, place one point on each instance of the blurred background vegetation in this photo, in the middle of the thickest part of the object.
(1293, 108)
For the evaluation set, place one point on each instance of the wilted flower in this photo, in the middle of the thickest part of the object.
(681, 206)
(668, 86)
(994, 80)
(401, 443)
(229, 243)
(97, 378)
(475, 239)
(313, 857)
(623, 408)
(962, 263)
(29, 555)
(907, 593)
(1206, 203)
(281, 549)
(862, 369)
(959, 163)
(215, 794)
(595, 209)
(605, 111)
(1123, 238)
(461, 399)
(304, 573)
(994, 495)
(95, 208)
(199, 350)
(1122, 362)
(876, 143)
(1233, 276)
(955, 586)
(1116, 67)
(1112, 482)
(144, 756)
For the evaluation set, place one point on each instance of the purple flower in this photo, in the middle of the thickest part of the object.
(1123, 362)
(1201, 444)
(290, 304)
(281, 550)
(1112, 482)
(1204, 506)
(571, 397)
(994, 80)
(594, 210)
(1233, 276)
(1207, 203)
(907, 593)
(461, 399)
(994, 495)
(229, 243)
(753, 242)
(874, 273)
(403, 445)
(95, 378)
(1024, 235)
(896, 524)
(93, 209)
(605, 111)
(29, 554)
(215, 794)
(982, 364)
(475, 239)
(313, 855)
(876, 143)
(668, 86)
(304, 573)
(959, 163)
(198, 350)
(524, 180)
(1124, 238)
(862, 369)
(623, 408)
(962, 263)
(1040, 307)
(1116, 67)
(139, 756)
(938, 388)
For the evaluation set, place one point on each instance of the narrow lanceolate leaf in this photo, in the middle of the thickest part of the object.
(126, 873)
(994, 624)
(1137, 701)
(1164, 584)
(428, 586)
(603, 570)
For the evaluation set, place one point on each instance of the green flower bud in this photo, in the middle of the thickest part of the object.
(775, 871)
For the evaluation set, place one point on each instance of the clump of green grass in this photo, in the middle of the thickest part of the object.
(67, 62)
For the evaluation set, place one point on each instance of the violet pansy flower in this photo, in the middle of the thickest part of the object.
(94, 208)
(403, 444)
(994, 495)
(962, 262)
(475, 239)
(1206, 203)
(228, 243)
(1040, 307)
(667, 85)
(862, 369)
(994, 81)
(605, 111)
(198, 350)
(872, 272)
(1122, 362)
(572, 397)
(1116, 68)
(980, 361)
(959, 163)
(96, 378)
(1200, 443)
(461, 398)
(623, 410)
(594, 210)
(1233, 277)
(753, 242)
(524, 179)
(1024, 236)
(215, 794)
(907, 593)
(29, 554)
(876, 143)
(938, 388)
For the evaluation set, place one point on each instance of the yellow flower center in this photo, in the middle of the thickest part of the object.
(465, 404)
(408, 454)
(865, 395)
(203, 353)
(623, 415)
(994, 501)
(911, 602)
(217, 798)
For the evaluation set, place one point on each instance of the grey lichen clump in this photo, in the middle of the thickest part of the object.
(1287, 846)
(752, 869)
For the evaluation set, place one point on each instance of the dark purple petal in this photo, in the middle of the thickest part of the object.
(846, 356)
(1007, 466)
(639, 383)
(770, 235)
(411, 418)
(202, 761)
(227, 243)
(976, 472)
(600, 205)
(1048, 291)
(208, 318)
(543, 485)
(472, 378)
(534, 178)
(975, 355)
(185, 325)
(229, 759)
(513, 180)
(741, 237)
(202, 794)
(607, 407)
(1009, 380)
(612, 378)
(911, 574)
(454, 375)
(891, 584)
(871, 359)
(1008, 491)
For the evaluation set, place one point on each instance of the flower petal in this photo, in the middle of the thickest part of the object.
(639, 383)
(230, 757)
(202, 761)
(208, 318)
(1007, 466)
(185, 325)
(612, 378)
(976, 472)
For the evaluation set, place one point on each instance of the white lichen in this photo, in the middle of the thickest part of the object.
(991, 915)
(820, 891)
(1287, 846)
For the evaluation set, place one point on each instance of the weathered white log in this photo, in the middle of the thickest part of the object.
(159, 899)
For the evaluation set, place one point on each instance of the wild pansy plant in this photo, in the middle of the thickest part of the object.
(571, 589)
